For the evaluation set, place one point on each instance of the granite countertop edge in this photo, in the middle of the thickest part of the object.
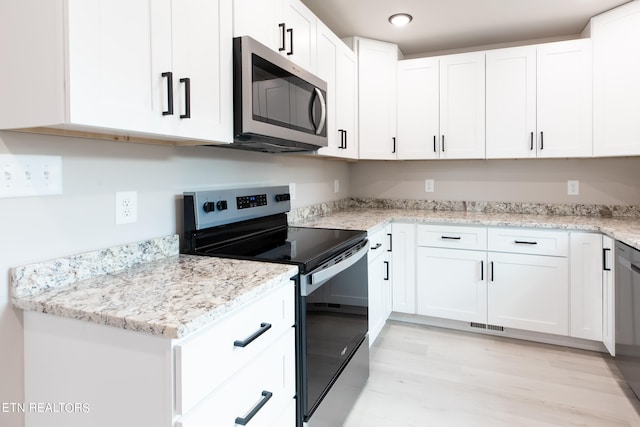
(624, 229)
(170, 296)
(149, 287)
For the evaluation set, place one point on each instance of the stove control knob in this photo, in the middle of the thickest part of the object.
(283, 197)
(221, 205)
(209, 207)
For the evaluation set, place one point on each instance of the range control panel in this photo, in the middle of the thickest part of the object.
(254, 201)
(210, 208)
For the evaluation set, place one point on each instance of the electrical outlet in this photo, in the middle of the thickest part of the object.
(126, 207)
(429, 186)
(292, 190)
(336, 186)
(573, 187)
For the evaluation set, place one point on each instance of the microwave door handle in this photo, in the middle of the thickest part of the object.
(323, 111)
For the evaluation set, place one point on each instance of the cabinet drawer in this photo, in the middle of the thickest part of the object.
(523, 241)
(379, 243)
(209, 358)
(266, 388)
(439, 236)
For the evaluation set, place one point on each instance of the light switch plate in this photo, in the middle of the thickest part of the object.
(27, 175)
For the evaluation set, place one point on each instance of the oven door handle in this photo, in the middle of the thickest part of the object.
(321, 275)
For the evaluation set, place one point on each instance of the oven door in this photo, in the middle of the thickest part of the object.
(333, 328)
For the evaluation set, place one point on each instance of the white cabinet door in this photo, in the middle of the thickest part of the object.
(529, 292)
(112, 81)
(202, 69)
(616, 87)
(377, 98)
(347, 101)
(586, 286)
(379, 281)
(300, 34)
(511, 103)
(403, 263)
(451, 284)
(608, 295)
(418, 109)
(539, 101)
(336, 64)
(259, 20)
(327, 53)
(462, 106)
(565, 99)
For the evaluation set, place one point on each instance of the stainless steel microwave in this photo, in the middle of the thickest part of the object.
(277, 105)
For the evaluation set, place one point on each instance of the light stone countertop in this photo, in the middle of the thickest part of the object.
(625, 229)
(148, 287)
(172, 296)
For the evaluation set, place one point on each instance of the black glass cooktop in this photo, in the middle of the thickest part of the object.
(304, 246)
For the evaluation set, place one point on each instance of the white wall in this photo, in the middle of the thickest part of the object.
(83, 218)
(602, 181)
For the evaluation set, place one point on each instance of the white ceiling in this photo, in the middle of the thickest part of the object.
(440, 25)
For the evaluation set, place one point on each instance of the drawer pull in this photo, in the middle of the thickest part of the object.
(604, 259)
(243, 421)
(373, 248)
(524, 242)
(451, 237)
(264, 327)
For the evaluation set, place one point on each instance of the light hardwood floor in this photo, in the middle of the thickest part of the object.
(425, 376)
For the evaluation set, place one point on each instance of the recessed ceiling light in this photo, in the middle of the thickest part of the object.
(400, 19)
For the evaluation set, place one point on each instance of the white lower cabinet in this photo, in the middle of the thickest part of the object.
(238, 367)
(452, 284)
(608, 295)
(511, 278)
(379, 281)
(529, 292)
(403, 267)
(586, 285)
(257, 395)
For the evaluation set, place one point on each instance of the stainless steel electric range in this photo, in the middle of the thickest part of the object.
(332, 348)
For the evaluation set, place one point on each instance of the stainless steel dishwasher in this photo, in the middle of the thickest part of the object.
(627, 277)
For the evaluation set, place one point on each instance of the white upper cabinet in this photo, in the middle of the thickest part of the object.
(259, 20)
(441, 104)
(511, 103)
(337, 65)
(300, 34)
(462, 106)
(286, 26)
(119, 67)
(202, 91)
(616, 87)
(347, 99)
(539, 101)
(565, 99)
(377, 62)
(418, 109)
